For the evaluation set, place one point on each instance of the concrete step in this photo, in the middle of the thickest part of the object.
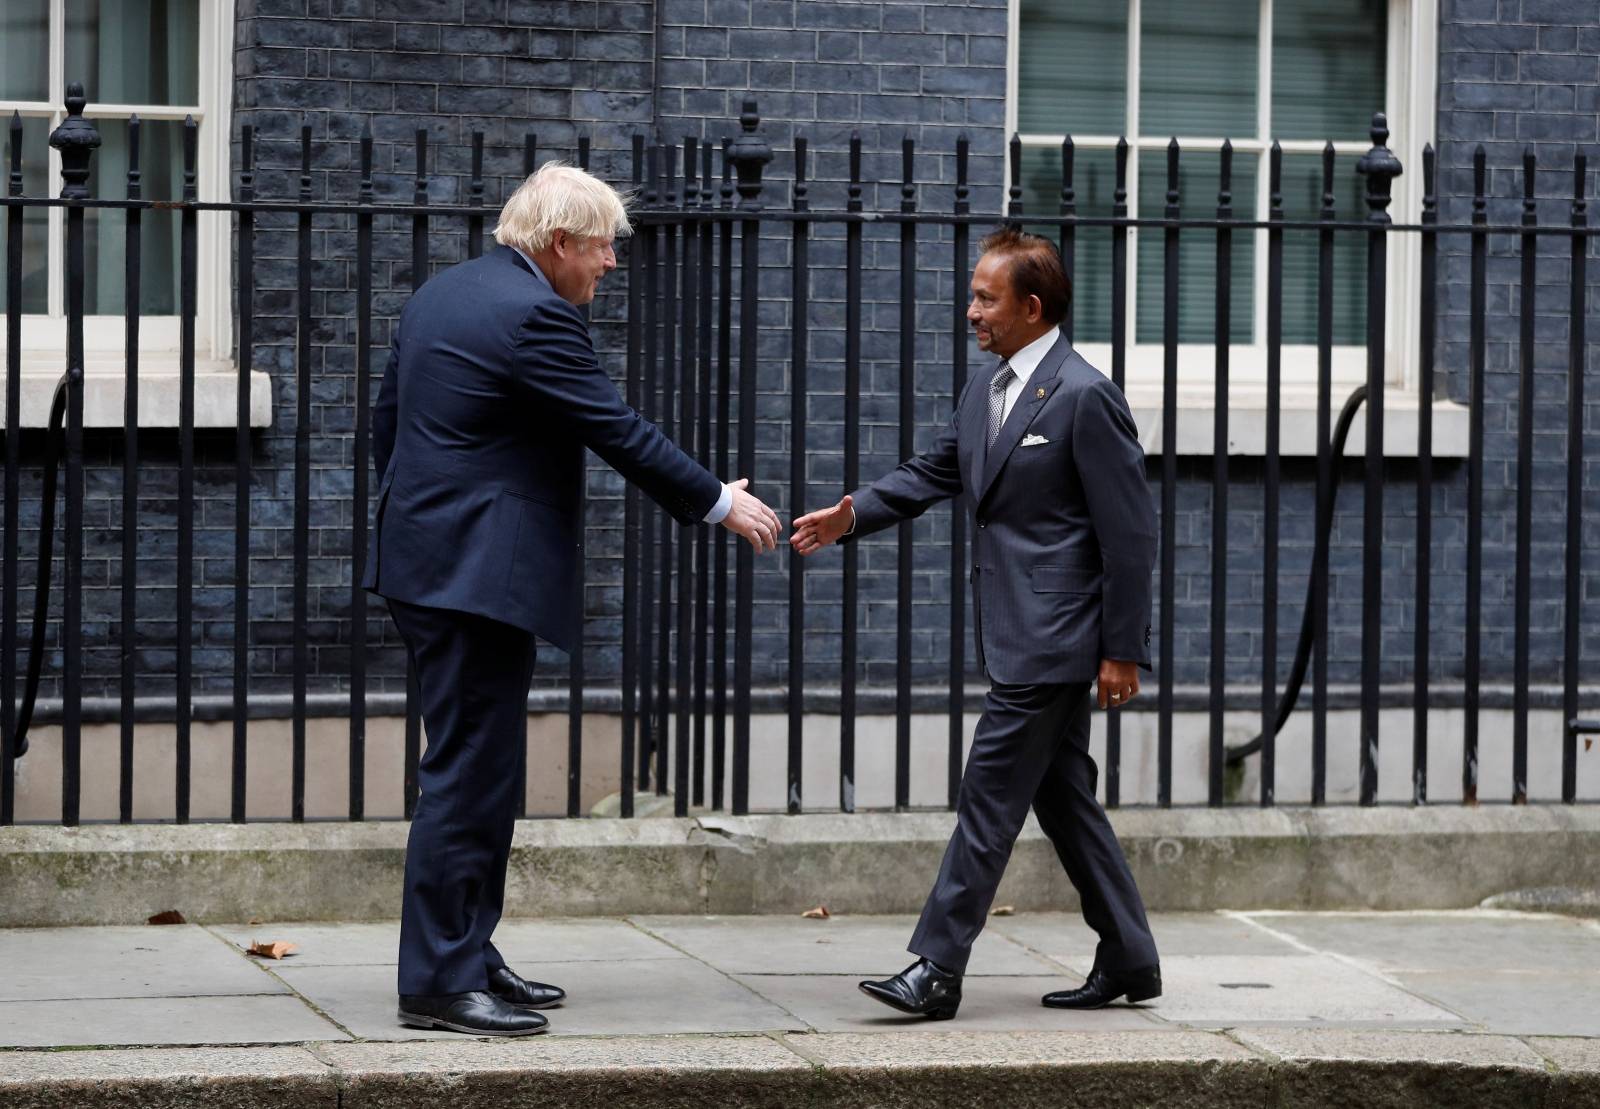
(1262, 1069)
(1184, 859)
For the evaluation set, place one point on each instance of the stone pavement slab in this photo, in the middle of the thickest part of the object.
(833, 1003)
(567, 940)
(867, 945)
(175, 960)
(1064, 937)
(161, 1020)
(617, 998)
(1556, 1001)
(1442, 940)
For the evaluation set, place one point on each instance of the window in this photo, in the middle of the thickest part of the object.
(161, 60)
(1296, 71)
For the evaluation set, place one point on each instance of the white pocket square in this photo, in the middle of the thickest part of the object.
(1034, 440)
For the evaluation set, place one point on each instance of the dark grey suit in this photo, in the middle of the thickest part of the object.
(1062, 558)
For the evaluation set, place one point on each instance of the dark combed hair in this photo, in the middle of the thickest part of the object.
(1036, 268)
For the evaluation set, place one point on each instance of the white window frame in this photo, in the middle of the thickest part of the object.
(1411, 83)
(44, 336)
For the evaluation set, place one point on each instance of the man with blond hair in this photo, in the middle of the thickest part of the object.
(491, 394)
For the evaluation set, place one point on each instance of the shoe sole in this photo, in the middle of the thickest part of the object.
(417, 1020)
(945, 1013)
(1132, 998)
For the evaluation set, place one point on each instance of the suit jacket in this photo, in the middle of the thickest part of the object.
(1065, 541)
(491, 394)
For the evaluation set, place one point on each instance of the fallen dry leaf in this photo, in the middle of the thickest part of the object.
(1003, 910)
(273, 949)
(1588, 742)
(253, 923)
(819, 913)
(170, 916)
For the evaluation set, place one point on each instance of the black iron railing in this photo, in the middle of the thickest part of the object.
(683, 314)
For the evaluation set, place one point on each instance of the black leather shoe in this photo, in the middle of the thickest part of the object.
(478, 1013)
(922, 989)
(508, 985)
(1101, 989)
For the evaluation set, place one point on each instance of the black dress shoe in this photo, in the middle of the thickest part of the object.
(478, 1013)
(508, 985)
(922, 989)
(1102, 988)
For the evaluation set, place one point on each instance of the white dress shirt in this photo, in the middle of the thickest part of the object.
(1023, 363)
(719, 511)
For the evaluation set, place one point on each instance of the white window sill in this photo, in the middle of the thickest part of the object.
(216, 385)
(1297, 427)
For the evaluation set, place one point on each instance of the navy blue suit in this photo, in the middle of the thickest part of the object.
(1061, 564)
(491, 393)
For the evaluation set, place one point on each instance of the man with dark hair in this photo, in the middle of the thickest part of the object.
(1046, 452)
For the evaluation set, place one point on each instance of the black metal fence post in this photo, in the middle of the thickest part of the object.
(1119, 377)
(241, 482)
(76, 139)
(1475, 421)
(128, 639)
(1522, 587)
(1270, 481)
(9, 744)
(1217, 755)
(750, 154)
(302, 477)
(908, 443)
(800, 278)
(849, 619)
(1425, 385)
(961, 277)
(1572, 594)
(1380, 167)
(1169, 480)
(361, 491)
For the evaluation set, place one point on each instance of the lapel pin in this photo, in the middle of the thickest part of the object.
(1040, 394)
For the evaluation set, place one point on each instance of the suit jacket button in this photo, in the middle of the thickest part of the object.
(983, 523)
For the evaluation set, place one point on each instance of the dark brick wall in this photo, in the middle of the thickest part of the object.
(1509, 75)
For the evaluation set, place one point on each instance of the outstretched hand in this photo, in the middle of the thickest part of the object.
(752, 519)
(822, 528)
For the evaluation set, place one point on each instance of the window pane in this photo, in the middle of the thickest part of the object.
(35, 171)
(105, 250)
(1072, 67)
(25, 50)
(135, 51)
(1197, 68)
(1198, 179)
(1094, 179)
(1302, 199)
(1328, 59)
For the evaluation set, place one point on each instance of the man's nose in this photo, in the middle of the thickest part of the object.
(973, 315)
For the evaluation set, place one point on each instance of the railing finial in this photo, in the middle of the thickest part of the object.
(76, 138)
(750, 154)
(1381, 167)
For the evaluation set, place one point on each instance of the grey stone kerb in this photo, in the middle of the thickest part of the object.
(1184, 859)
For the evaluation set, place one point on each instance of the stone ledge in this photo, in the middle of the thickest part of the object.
(1199, 1070)
(1334, 858)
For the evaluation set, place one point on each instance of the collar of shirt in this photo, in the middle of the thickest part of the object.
(534, 266)
(1024, 362)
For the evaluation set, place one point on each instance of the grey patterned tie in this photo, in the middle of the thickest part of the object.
(997, 399)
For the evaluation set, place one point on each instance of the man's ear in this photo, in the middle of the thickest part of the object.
(560, 244)
(1035, 309)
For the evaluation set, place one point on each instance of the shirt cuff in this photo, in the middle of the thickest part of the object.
(719, 511)
(851, 530)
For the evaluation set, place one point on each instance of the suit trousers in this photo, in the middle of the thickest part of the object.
(1031, 746)
(473, 675)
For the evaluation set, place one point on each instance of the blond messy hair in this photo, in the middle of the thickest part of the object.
(559, 197)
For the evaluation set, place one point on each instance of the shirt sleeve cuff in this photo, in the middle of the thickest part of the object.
(851, 530)
(719, 511)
